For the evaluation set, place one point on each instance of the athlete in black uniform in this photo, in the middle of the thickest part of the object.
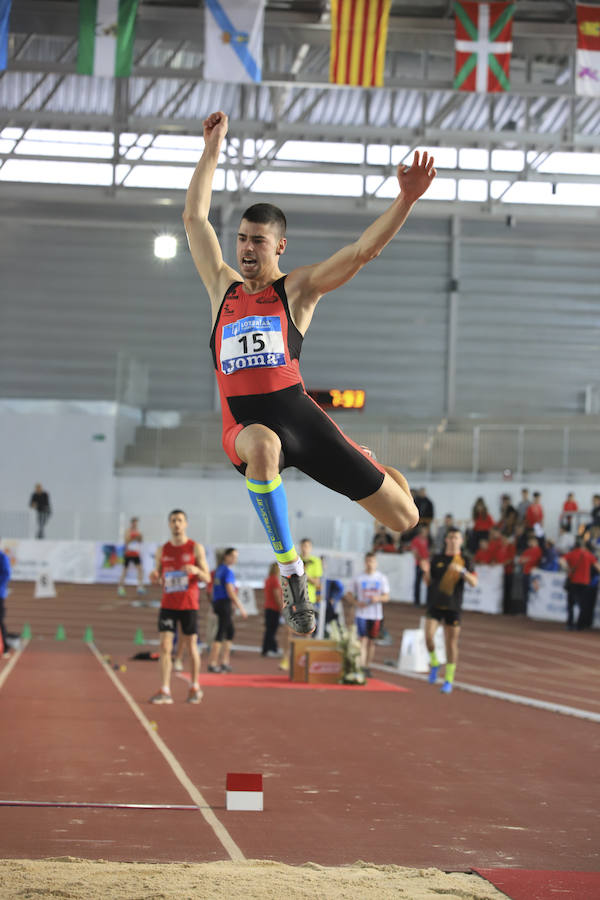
(445, 574)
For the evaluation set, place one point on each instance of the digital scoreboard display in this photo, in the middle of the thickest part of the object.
(339, 398)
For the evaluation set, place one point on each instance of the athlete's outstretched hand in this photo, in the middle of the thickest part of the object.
(415, 180)
(215, 128)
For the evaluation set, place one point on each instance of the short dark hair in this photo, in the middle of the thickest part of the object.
(177, 512)
(306, 540)
(453, 530)
(266, 214)
(228, 551)
(370, 553)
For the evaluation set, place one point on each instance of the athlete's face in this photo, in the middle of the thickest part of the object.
(258, 248)
(453, 543)
(370, 564)
(177, 524)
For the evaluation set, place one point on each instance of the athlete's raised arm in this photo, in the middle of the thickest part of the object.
(204, 244)
(307, 284)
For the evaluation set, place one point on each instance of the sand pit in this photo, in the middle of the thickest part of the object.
(81, 879)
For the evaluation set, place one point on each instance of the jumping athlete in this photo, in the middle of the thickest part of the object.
(180, 565)
(260, 317)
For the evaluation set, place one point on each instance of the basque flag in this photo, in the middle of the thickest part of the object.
(587, 63)
(4, 17)
(483, 46)
(358, 38)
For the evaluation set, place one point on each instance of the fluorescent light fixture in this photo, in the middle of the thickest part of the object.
(165, 246)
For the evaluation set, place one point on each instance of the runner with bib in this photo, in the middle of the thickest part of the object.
(260, 317)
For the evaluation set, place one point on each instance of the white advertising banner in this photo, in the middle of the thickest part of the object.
(487, 596)
(109, 563)
(547, 596)
(71, 561)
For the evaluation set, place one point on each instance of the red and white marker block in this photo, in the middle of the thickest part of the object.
(244, 792)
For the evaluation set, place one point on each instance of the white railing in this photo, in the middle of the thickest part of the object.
(482, 451)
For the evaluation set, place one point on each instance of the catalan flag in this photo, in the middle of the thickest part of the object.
(358, 39)
(483, 46)
(587, 64)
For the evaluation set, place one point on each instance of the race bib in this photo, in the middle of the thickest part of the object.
(134, 547)
(255, 342)
(176, 581)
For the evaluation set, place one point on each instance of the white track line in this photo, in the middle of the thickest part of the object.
(219, 829)
(502, 695)
(12, 663)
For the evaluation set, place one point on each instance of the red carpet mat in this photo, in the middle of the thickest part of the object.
(231, 679)
(525, 884)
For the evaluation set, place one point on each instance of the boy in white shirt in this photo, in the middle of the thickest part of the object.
(371, 590)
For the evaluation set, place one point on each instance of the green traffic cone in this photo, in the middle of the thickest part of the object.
(89, 635)
(26, 633)
(60, 633)
(139, 637)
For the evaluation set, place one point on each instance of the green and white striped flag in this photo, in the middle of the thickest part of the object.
(106, 34)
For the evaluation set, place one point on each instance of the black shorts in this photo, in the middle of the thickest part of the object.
(310, 441)
(132, 559)
(187, 618)
(447, 616)
(224, 613)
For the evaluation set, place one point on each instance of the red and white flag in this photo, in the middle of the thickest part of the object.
(587, 62)
(483, 45)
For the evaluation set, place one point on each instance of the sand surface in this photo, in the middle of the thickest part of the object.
(83, 879)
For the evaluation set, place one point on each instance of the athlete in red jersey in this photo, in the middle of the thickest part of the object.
(180, 565)
(132, 556)
(259, 317)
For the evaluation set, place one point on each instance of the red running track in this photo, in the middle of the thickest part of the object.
(412, 778)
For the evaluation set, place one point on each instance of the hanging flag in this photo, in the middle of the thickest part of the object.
(358, 38)
(483, 46)
(587, 62)
(106, 34)
(233, 40)
(4, 17)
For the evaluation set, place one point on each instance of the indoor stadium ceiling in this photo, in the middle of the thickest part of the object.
(167, 90)
(167, 95)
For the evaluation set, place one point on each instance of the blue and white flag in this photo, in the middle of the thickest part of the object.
(4, 17)
(233, 40)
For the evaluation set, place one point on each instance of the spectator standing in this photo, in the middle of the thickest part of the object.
(530, 559)
(180, 565)
(5, 573)
(370, 591)
(40, 501)
(508, 515)
(565, 540)
(570, 506)
(579, 563)
(534, 514)
(132, 556)
(506, 557)
(522, 506)
(440, 535)
(225, 597)
(482, 523)
(425, 506)
(595, 520)
(445, 576)
(483, 555)
(420, 550)
(273, 608)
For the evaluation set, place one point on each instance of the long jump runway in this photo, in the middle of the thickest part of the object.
(402, 777)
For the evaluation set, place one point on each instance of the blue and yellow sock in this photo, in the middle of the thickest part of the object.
(270, 502)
